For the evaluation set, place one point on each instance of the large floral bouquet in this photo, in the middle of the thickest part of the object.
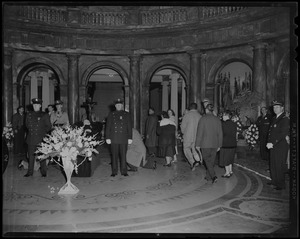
(8, 132)
(251, 135)
(68, 142)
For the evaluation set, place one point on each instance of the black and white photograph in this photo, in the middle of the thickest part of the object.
(149, 119)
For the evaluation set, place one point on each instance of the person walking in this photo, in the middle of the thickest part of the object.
(118, 134)
(209, 139)
(150, 133)
(171, 115)
(278, 146)
(18, 125)
(228, 149)
(166, 138)
(38, 125)
(189, 130)
(263, 123)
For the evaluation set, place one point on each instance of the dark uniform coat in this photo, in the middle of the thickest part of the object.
(263, 124)
(119, 130)
(38, 125)
(279, 129)
(118, 127)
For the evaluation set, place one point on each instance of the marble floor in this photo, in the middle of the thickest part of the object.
(169, 200)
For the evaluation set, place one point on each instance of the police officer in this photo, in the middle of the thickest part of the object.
(59, 117)
(263, 123)
(119, 134)
(38, 125)
(278, 146)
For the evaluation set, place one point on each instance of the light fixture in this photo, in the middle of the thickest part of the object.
(111, 75)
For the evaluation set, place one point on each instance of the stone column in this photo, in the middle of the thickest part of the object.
(134, 92)
(51, 88)
(195, 90)
(45, 89)
(183, 97)
(270, 62)
(202, 77)
(7, 88)
(286, 76)
(260, 70)
(198, 83)
(73, 99)
(174, 94)
(33, 85)
(165, 93)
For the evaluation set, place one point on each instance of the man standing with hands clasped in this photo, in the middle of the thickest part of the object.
(119, 134)
(278, 146)
(38, 125)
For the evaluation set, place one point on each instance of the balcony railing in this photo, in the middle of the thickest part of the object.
(42, 14)
(173, 15)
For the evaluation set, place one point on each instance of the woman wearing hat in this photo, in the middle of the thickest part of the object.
(278, 146)
(59, 118)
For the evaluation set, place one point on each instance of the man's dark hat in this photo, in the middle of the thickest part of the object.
(58, 102)
(119, 101)
(276, 102)
(36, 101)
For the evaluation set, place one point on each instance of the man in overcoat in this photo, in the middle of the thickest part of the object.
(278, 145)
(189, 130)
(150, 133)
(209, 138)
(118, 134)
(263, 123)
(38, 125)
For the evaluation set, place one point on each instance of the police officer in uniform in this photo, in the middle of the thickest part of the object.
(119, 134)
(263, 123)
(59, 117)
(278, 146)
(38, 125)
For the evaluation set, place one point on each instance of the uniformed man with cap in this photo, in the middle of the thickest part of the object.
(263, 124)
(278, 145)
(59, 118)
(118, 134)
(38, 125)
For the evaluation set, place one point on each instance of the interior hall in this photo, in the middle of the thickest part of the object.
(239, 56)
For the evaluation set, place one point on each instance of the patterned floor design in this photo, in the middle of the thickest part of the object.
(166, 200)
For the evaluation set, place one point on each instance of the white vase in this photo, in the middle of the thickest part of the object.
(68, 188)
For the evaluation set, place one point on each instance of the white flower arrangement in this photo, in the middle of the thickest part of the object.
(251, 135)
(68, 142)
(8, 132)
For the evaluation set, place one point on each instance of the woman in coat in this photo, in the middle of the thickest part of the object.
(166, 138)
(228, 149)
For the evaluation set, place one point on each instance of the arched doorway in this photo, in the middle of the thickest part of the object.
(168, 91)
(104, 86)
(39, 81)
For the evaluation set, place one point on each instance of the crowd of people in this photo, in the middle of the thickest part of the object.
(206, 139)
